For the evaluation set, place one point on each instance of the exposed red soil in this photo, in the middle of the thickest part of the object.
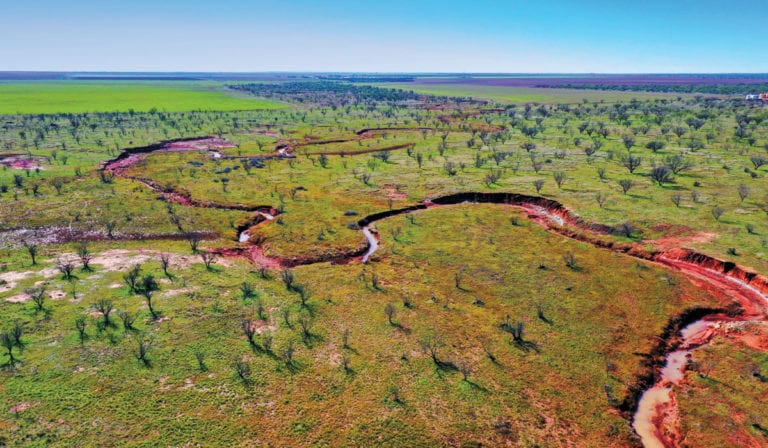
(393, 194)
(22, 161)
(129, 157)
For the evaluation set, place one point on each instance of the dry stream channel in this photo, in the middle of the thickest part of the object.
(653, 407)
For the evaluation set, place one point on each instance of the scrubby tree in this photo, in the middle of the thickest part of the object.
(208, 259)
(249, 330)
(655, 145)
(661, 175)
(131, 278)
(677, 163)
(465, 368)
(560, 178)
(631, 162)
(143, 345)
(85, 256)
(538, 183)
(80, 325)
(38, 297)
(7, 341)
(601, 198)
(193, 238)
(247, 290)
(31, 250)
(570, 260)
(758, 161)
(127, 318)
(628, 140)
(147, 288)
(66, 267)
(743, 191)
(288, 278)
(389, 310)
(431, 345)
(105, 307)
(717, 212)
(626, 185)
(165, 262)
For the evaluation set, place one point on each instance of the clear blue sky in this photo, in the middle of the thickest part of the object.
(385, 35)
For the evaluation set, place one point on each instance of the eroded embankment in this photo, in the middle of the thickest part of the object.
(125, 153)
(746, 289)
(650, 402)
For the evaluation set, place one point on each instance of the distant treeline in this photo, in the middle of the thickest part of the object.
(719, 89)
(326, 92)
(363, 78)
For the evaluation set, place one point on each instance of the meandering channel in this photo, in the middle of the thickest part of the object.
(650, 405)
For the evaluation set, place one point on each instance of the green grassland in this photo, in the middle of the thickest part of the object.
(522, 95)
(605, 314)
(97, 392)
(105, 96)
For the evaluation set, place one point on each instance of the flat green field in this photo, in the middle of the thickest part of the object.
(94, 96)
(518, 95)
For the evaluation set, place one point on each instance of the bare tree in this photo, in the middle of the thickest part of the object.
(105, 307)
(7, 341)
(458, 277)
(208, 258)
(389, 310)
(31, 250)
(127, 319)
(465, 368)
(345, 339)
(143, 346)
(431, 345)
(570, 260)
(288, 278)
(131, 278)
(249, 330)
(38, 297)
(66, 267)
(601, 198)
(193, 238)
(80, 324)
(165, 262)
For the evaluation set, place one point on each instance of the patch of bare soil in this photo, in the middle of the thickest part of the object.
(57, 294)
(678, 236)
(19, 298)
(23, 161)
(11, 279)
(115, 260)
(393, 193)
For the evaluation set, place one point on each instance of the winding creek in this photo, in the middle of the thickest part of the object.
(651, 406)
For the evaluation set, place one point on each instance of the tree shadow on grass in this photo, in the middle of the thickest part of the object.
(476, 386)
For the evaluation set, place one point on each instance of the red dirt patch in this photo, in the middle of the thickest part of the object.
(22, 161)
